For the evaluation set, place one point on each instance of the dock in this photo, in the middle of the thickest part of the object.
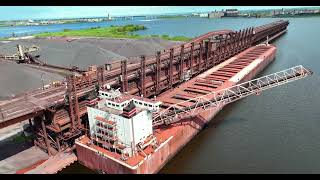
(22, 160)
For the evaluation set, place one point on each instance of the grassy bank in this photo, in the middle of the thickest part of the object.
(3, 39)
(126, 31)
(171, 16)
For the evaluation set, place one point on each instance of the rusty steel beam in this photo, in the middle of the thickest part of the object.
(158, 72)
(76, 102)
(124, 78)
(233, 42)
(223, 48)
(10, 122)
(100, 76)
(206, 59)
(70, 99)
(181, 62)
(143, 76)
(200, 56)
(171, 68)
(191, 57)
(242, 38)
(58, 143)
(45, 135)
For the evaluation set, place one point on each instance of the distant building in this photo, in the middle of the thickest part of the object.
(204, 15)
(215, 14)
(231, 13)
(294, 12)
(109, 17)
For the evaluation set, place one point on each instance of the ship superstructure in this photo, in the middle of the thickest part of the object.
(122, 123)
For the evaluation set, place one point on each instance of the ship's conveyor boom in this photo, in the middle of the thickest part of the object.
(218, 99)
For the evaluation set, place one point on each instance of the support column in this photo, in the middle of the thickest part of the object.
(200, 55)
(143, 76)
(218, 49)
(100, 76)
(251, 36)
(228, 45)
(224, 47)
(171, 68)
(32, 126)
(124, 84)
(76, 103)
(213, 53)
(1, 114)
(237, 46)
(181, 62)
(241, 39)
(206, 50)
(45, 135)
(247, 38)
(71, 107)
(208, 53)
(233, 41)
(158, 72)
(58, 143)
(191, 57)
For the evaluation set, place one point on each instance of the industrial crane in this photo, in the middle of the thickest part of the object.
(217, 99)
(23, 54)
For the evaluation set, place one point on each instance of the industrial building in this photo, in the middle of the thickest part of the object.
(231, 13)
(216, 14)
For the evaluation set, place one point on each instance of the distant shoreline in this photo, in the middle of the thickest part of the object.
(126, 31)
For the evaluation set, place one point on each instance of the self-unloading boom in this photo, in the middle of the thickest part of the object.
(222, 97)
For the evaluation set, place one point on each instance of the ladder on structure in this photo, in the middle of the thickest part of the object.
(218, 99)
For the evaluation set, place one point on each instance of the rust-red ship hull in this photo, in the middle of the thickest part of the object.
(175, 136)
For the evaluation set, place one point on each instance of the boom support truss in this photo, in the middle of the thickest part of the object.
(218, 99)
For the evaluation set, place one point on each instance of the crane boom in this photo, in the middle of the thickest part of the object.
(218, 99)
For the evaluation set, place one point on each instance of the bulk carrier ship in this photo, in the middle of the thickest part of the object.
(133, 134)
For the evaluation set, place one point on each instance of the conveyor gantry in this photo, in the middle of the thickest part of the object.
(217, 99)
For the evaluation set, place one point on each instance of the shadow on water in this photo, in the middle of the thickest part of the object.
(77, 168)
(13, 146)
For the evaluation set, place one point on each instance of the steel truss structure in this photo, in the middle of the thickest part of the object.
(218, 99)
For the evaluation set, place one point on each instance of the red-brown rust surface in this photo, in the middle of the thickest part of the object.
(24, 170)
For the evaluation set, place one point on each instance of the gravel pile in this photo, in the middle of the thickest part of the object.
(16, 78)
(82, 52)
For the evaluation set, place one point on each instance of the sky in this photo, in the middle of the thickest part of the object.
(52, 12)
